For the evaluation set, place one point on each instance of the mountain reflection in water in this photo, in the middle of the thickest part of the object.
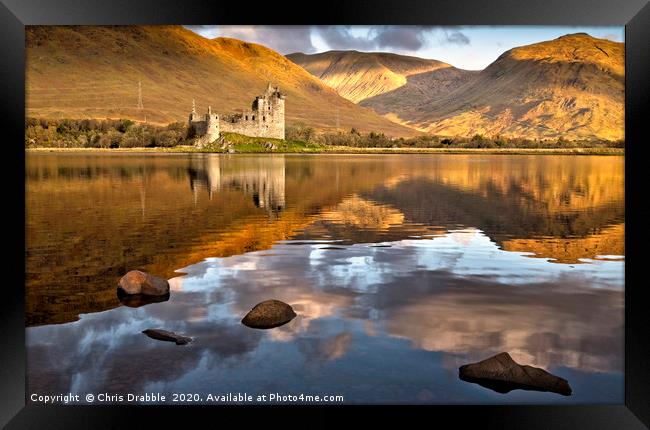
(400, 268)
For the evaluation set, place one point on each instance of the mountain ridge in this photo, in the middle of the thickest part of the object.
(95, 71)
(571, 87)
(358, 76)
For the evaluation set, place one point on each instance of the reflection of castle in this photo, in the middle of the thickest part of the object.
(263, 179)
(265, 118)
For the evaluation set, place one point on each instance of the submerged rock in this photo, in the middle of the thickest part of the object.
(269, 314)
(137, 282)
(169, 336)
(502, 374)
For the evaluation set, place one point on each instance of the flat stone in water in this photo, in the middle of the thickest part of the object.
(502, 374)
(168, 336)
(269, 314)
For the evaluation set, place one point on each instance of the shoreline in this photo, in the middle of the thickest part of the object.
(351, 150)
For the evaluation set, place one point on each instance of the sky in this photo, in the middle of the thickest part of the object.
(465, 47)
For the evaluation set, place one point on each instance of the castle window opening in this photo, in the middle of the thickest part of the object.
(253, 117)
(246, 117)
(263, 118)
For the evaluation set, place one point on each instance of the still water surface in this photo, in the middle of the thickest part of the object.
(401, 268)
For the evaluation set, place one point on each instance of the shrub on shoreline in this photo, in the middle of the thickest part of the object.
(93, 133)
(124, 133)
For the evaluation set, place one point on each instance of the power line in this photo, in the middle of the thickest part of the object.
(140, 95)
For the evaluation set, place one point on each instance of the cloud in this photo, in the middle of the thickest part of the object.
(400, 38)
(454, 37)
(341, 37)
(281, 38)
(287, 39)
(410, 38)
(612, 36)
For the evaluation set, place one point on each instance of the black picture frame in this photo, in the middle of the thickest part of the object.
(634, 413)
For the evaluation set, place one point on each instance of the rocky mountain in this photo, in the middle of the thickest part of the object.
(571, 87)
(360, 76)
(96, 72)
(419, 89)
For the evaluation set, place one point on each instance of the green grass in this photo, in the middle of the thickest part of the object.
(253, 145)
(246, 144)
(315, 149)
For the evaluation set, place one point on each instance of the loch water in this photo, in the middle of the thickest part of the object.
(401, 268)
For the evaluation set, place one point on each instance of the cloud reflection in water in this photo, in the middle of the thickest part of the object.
(378, 324)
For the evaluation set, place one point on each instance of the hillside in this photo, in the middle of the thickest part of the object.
(570, 87)
(93, 72)
(358, 76)
(390, 84)
(419, 89)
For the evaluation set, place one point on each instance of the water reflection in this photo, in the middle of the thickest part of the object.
(428, 293)
(261, 178)
(137, 300)
(400, 269)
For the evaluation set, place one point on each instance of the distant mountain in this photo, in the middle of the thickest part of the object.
(570, 87)
(358, 76)
(94, 71)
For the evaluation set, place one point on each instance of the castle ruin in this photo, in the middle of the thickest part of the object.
(265, 118)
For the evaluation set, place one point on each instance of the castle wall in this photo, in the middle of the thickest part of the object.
(206, 127)
(261, 126)
(264, 119)
(200, 127)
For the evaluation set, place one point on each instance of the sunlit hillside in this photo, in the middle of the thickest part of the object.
(96, 72)
(359, 76)
(390, 84)
(571, 87)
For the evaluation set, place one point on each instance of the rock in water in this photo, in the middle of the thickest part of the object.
(502, 374)
(137, 282)
(169, 336)
(269, 314)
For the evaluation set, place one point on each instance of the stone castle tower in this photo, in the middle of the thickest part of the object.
(206, 127)
(265, 118)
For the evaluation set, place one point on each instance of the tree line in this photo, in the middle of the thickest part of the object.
(125, 133)
(354, 138)
(94, 133)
